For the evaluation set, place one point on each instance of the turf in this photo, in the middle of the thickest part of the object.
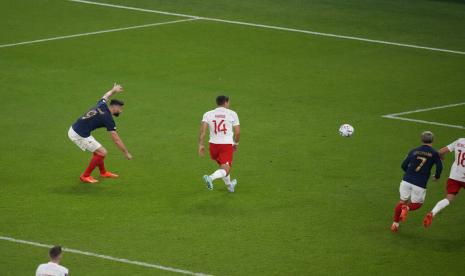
(309, 202)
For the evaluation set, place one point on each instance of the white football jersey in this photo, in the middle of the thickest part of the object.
(457, 172)
(51, 269)
(221, 122)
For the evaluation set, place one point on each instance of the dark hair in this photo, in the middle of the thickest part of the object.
(116, 102)
(427, 137)
(55, 251)
(221, 100)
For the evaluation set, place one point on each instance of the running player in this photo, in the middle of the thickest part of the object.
(97, 117)
(224, 139)
(417, 167)
(456, 179)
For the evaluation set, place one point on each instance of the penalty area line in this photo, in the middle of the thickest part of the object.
(397, 116)
(105, 257)
(256, 25)
(96, 32)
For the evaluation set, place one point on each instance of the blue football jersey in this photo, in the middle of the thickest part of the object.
(419, 163)
(97, 117)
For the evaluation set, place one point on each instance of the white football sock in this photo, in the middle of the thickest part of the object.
(220, 173)
(227, 179)
(439, 206)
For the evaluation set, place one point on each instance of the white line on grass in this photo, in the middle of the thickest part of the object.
(120, 260)
(95, 33)
(273, 27)
(396, 116)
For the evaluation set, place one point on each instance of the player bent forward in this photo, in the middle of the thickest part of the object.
(417, 167)
(223, 124)
(456, 179)
(98, 117)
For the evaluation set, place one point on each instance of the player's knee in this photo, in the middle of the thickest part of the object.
(101, 151)
(415, 206)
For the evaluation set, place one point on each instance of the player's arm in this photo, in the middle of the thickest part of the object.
(439, 167)
(119, 143)
(237, 135)
(443, 152)
(116, 89)
(405, 163)
(203, 131)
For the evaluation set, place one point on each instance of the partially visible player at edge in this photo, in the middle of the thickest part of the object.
(417, 167)
(456, 179)
(223, 124)
(97, 117)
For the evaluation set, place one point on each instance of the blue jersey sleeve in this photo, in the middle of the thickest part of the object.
(439, 167)
(109, 122)
(406, 162)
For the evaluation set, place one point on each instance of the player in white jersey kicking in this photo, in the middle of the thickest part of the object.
(456, 179)
(224, 139)
(53, 268)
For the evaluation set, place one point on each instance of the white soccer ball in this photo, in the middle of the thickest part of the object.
(346, 130)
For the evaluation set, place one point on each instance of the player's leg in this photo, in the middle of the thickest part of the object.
(101, 153)
(98, 155)
(405, 192)
(417, 198)
(453, 187)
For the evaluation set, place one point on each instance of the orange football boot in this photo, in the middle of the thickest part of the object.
(404, 213)
(394, 227)
(428, 220)
(108, 174)
(88, 179)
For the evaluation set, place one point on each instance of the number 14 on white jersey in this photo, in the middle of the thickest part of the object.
(221, 122)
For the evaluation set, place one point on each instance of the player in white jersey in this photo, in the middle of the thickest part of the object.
(223, 124)
(53, 268)
(456, 179)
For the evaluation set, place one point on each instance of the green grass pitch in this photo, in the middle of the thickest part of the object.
(308, 202)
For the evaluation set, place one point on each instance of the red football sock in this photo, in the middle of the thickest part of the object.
(92, 164)
(397, 211)
(414, 206)
(101, 163)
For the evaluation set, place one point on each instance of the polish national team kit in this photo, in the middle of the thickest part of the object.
(456, 179)
(221, 122)
(51, 269)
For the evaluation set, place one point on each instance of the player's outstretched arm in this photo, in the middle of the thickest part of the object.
(116, 89)
(443, 152)
(203, 131)
(119, 143)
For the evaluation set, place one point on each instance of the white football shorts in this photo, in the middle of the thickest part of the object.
(414, 193)
(88, 143)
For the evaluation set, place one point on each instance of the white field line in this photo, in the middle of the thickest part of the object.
(119, 260)
(274, 27)
(396, 116)
(95, 33)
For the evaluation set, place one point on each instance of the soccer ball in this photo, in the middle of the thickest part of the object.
(346, 130)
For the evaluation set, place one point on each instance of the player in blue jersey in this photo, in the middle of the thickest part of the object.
(97, 117)
(417, 167)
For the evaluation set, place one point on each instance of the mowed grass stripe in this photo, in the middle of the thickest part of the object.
(106, 257)
(95, 33)
(257, 25)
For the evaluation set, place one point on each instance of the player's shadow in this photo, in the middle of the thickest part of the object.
(85, 189)
(446, 244)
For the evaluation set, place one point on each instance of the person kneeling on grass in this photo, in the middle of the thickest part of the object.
(97, 117)
(417, 167)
